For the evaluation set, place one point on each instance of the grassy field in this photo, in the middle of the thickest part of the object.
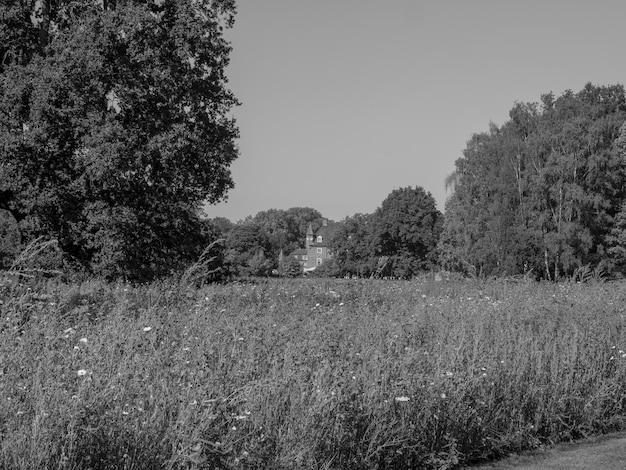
(304, 374)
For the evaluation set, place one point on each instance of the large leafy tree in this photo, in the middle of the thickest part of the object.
(114, 126)
(542, 191)
(406, 229)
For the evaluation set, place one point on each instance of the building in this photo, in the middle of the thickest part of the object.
(318, 248)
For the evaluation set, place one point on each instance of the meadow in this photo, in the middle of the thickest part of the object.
(305, 373)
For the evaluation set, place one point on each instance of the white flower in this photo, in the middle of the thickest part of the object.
(443, 396)
(402, 399)
(81, 372)
(147, 328)
(83, 340)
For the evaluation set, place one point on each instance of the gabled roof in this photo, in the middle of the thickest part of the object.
(326, 232)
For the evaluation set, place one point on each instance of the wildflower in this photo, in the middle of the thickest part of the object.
(340, 304)
(83, 340)
(443, 396)
(147, 328)
(402, 399)
(81, 372)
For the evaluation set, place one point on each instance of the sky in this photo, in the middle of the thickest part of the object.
(343, 101)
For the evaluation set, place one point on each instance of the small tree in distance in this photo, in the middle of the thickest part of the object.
(406, 229)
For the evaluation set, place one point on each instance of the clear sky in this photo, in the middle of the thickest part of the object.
(345, 100)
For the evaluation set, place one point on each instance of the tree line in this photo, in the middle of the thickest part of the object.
(403, 231)
(116, 128)
(543, 194)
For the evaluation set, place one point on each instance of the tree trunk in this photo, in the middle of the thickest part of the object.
(44, 26)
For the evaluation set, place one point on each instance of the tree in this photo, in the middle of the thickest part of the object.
(406, 228)
(542, 191)
(286, 229)
(114, 127)
(616, 239)
(353, 246)
(246, 248)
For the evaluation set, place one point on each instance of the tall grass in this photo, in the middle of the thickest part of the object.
(304, 373)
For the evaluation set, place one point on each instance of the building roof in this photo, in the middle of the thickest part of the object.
(299, 251)
(326, 232)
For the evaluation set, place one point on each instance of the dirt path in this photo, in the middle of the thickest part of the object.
(602, 453)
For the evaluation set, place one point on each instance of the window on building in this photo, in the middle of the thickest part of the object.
(319, 250)
(305, 257)
(319, 261)
(319, 239)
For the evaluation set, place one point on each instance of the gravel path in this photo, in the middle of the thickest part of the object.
(602, 453)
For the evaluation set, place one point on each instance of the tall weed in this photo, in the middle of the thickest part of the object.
(304, 373)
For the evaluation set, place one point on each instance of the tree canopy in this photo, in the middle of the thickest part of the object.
(115, 127)
(544, 191)
(406, 229)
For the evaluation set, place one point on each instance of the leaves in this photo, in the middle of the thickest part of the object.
(541, 191)
(117, 131)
